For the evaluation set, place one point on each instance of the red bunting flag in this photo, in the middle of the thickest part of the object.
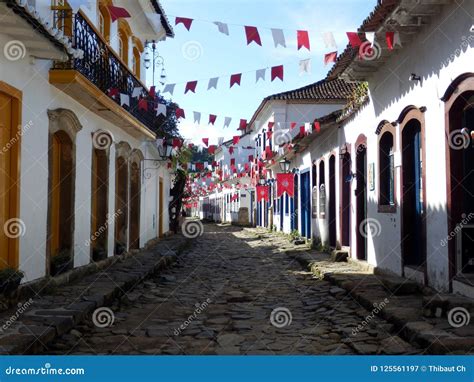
(190, 86)
(390, 39)
(270, 125)
(242, 124)
(301, 131)
(231, 150)
(250, 158)
(285, 183)
(113, 92)
(292, 125)
(117, 12)
(235, 79)
(269, 134)
(206, 141)
(252, 35)
(152, 91)
(317, 126)
(180, 113)
(262, 193)
(354, 39)
(177, 143)
(277, 72)
(234, 197)
(330, 57)
(302, 38)
(232, 161)
(142, 104)
(185, 21)
(211, 149)
(212, 119)
(235, 140)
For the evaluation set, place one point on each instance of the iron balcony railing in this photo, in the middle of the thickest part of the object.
(102, 66)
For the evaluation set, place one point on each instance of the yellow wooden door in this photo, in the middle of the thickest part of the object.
(5, 180)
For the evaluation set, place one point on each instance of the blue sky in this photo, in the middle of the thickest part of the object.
(221, 55)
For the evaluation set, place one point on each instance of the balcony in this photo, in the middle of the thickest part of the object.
(90, 78)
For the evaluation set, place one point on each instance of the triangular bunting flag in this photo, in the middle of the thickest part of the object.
(278, 38)
(305, 66)
(124, 99)
(190, 86)
(117, 12)
(142, 104)
(302, 38)
(197, 117)
(212, 83)
(243, 124)
(354, 39)
(222, 27)
(235, 79)
(235, 139)
(161, 109)
(169, 88)
(205, 141)
(329, 40)
(260, 74)
(252, 35)
(180, 113)
(185, 21)
(212, 119)
(227, 121)
(277, 72)
(137, 91)
(330, 57)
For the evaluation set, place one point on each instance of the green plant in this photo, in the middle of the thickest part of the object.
(294, 234)
(10, 279)
(61, 262)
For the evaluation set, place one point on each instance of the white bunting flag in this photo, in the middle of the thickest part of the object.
(329, 40)
(137, 91)
(161, 109)
(305, 66)
(260, 74)
(190, 166)
(307, 128)
(213, 83)
(220, 140)
(197, 117)
(370, 36)
(193, 167)
(278, 37)
(206, 164)
(396, 39)
(169, 88)
(200, 148)
(227, 121)
(124, 99)
(222, 27)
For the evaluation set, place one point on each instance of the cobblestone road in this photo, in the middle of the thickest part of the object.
(234, 292)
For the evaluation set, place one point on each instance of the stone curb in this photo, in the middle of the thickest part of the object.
(38, 323)
(407, 305)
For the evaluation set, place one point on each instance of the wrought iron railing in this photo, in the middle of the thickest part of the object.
(102, 66)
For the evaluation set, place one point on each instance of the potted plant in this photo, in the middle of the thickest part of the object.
(10, 279)
(61, 262)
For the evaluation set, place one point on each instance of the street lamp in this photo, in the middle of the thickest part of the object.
(284, 165)
(165, 150)
(155, 60)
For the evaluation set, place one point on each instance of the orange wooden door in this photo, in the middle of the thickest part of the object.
(6, 104)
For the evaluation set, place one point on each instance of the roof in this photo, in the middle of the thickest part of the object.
(33, 18)
(322, 91)
(164, 19)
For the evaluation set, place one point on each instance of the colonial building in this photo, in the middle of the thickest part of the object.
(81, 180)
(388, 176)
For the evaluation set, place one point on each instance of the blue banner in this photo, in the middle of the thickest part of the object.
(236, 368)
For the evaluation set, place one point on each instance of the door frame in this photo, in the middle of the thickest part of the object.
(16, 96)
(342, 183)
(160, 206)
(307, 174)
(332, 213)
(408, 114)
(361, 141)
(462, 84)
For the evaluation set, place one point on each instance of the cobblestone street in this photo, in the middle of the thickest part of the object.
(234, 291)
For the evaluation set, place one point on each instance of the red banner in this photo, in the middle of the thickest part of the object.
(262, 193)
(285, 183)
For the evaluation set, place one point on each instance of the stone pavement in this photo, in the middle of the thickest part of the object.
(56, 310)
(237, 291)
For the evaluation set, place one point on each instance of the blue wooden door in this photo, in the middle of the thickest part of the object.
(305, 205)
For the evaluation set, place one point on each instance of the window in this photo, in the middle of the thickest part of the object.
(104, 21)
(136, 62)
(322, 191)
(386, 170)
(62, 16)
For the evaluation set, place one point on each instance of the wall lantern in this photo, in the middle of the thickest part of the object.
(262, 181)
(165, 151)
(343, 151)
(284, 165)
